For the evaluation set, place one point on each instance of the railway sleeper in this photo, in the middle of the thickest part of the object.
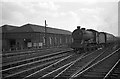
(96, 73)
(117, 71)
(91, 77)
(74, 69)
(114, 76)
(100, 70)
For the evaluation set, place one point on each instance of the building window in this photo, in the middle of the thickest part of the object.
(44, 40)
(50, 40)
(66, 39)
(60, 41)
(35, 44)
(55, 40)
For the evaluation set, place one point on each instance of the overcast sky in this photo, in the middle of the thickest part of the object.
(101, 15)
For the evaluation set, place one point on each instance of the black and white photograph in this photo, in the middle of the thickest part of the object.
(60, 39)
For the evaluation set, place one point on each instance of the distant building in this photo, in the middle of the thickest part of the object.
(119, 18)
(30, 36)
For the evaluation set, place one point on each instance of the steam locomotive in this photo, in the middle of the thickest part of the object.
(85, 40)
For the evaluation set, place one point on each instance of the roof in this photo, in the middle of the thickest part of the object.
(92, 30)
(39, 28)
(7, 28)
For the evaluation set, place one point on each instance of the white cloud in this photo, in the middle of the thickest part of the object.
(64, 15)
(75, 18)
(90, 1)
(48, 5)
(89, 17)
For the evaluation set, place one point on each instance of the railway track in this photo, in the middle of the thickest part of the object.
(75, 66)
(10, 57)
(18, 53)
(32, 64)
(114, 73)
(100, 69)
(56, 68)
(27, 60)
(58, 65)
(79, 65)
(27, 52)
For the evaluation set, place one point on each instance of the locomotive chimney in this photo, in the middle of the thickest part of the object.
(78, 27)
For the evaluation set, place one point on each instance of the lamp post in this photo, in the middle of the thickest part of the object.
(45, 34)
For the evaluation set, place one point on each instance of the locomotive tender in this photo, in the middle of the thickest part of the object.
(85, 40)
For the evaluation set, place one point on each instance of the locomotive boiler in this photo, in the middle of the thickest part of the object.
(84, 39)
(82, 34)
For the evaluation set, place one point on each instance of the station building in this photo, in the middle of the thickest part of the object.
(30, 36)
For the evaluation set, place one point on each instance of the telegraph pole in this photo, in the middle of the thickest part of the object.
(45, 34)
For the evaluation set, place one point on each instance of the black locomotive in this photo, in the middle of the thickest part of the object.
(85, 40)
